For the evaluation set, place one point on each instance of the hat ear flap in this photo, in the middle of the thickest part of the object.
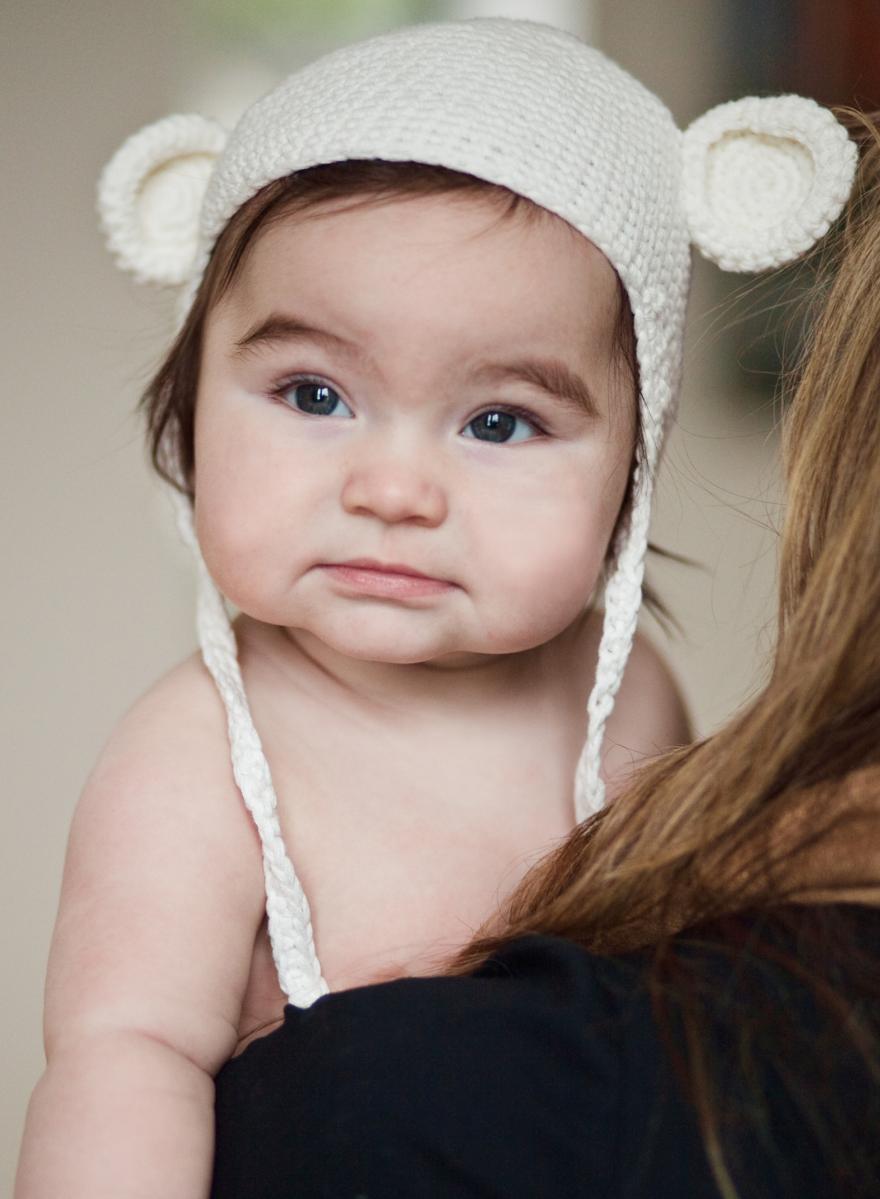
(150, 196)
(763, 179)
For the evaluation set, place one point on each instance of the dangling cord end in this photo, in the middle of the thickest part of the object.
(589, 795)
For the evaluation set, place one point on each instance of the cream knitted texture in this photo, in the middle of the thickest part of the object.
(150, 194)
(763, 179)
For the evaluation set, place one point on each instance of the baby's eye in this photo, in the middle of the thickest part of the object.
(312, 396)
(500, 426)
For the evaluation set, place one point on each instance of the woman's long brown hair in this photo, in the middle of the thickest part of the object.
(782, 804)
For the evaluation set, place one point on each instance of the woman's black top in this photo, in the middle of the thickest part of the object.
(552, 1072)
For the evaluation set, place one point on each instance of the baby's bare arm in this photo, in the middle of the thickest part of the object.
(118, 1114)
(161, 900)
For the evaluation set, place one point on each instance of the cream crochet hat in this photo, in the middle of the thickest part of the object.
(752, 184)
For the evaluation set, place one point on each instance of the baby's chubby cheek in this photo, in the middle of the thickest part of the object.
(232, 538)
(541, 582)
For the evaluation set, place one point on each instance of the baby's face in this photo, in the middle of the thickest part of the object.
(417, 383)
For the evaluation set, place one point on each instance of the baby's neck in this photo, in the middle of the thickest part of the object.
(463, 686)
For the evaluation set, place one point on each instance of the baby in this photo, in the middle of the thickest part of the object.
(430, 341)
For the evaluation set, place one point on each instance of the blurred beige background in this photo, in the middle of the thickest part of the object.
(98, 595)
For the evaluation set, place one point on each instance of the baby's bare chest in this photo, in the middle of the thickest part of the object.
(401, 866)
(401, 858)
(407, 827)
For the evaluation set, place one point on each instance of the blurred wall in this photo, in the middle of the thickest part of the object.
(718, 495)
(98, 594)
(95, 599)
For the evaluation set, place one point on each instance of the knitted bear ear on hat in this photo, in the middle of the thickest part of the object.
(150, 196)
(764, 178)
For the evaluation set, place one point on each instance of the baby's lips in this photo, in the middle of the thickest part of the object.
(398, 568)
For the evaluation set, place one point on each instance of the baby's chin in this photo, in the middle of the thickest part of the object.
(397, 651)
(444, 650)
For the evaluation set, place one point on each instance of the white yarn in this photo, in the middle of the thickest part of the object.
(533, 109)
(764, 179)
(287, 908)
(150, 195)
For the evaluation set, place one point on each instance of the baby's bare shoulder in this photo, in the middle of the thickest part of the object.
(169, 754)
(182, 707)
(649, 714)
(162, 892)
(649, 685)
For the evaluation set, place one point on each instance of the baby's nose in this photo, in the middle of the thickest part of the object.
(395, 486)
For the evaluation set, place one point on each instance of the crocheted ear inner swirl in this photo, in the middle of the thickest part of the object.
(763, 179)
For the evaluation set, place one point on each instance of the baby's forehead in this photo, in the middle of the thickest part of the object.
(473, 254)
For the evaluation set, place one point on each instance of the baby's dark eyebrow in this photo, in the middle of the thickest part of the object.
(548, 374)
(280, 327)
